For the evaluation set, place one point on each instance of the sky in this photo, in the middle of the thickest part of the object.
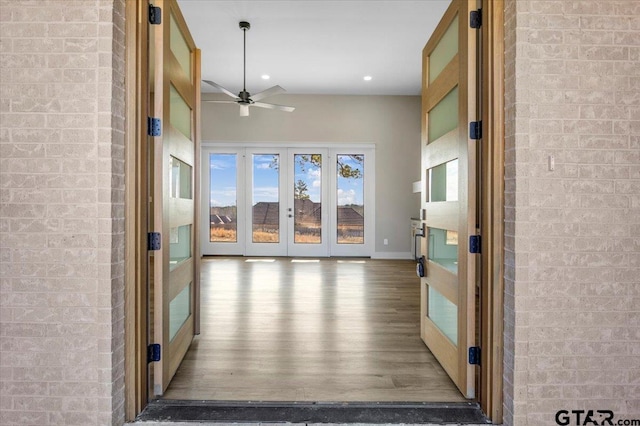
(223, 179)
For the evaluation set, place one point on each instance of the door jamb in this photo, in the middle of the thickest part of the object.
(136, 209)
(491, 313)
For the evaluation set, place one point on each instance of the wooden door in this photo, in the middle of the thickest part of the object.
(176, 101)
(448, 304)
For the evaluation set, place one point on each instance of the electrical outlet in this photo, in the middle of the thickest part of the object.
(385, 242)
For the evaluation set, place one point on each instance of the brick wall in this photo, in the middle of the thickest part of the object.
(61, 213)
(572, 278)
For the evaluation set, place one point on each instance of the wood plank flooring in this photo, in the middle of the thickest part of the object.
(287, 329)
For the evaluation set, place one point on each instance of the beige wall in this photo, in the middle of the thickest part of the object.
(572, 278)
(391, 122)
(61, 217)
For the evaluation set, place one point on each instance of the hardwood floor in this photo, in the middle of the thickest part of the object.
(287, 329)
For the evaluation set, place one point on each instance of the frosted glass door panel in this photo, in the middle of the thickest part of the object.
(223, 205)
(443, 248)
(444, 51)
(307, 202)
(179, 47)
(443, 182)
(180, 113)
(180, 178)
(179, 310)
(266, 198)
(179, 245)
(443, 117)
(350, 196)
(444, 314)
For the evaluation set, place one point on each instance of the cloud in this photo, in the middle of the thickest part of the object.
(346, 197)
(263, 166)
(315, 175)
(223, 197)
(221, 165)
(265, 193)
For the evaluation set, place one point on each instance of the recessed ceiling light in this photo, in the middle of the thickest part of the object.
(367, 78)
(265, 77)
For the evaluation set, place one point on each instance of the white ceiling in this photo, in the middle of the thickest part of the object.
(315, 47)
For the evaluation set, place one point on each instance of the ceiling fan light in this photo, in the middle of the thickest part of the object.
(244, 98)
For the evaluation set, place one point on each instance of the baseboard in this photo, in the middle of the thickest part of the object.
(392, 255)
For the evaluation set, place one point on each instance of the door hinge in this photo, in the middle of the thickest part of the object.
(155, 15)
(475, 244)
(153, 352)
(474, 355)
(475, 130)
(154, 126)
(475, 18)
(154, 241)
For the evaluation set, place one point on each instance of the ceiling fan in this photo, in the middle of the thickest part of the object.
(244, 98)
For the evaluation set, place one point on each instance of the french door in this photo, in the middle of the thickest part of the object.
(266, 202)
(288, 201)
(307, 214)
(175, 96)
(448, 305)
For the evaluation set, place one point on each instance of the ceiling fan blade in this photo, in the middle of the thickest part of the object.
(275, 90)
(217, 86)
(219, 102)
(244, 110)
(274, 106)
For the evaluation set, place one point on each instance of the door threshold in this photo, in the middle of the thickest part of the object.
(175, 411)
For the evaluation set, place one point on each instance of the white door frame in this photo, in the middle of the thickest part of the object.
(229, 248)
(369, 175)
(244, 175)
(320, 249)
(266, 249)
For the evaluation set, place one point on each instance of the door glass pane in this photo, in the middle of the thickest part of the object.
(444, 314)
(180, 113)
(179, 245)
(222, 198)
(307, 187)
(444, 51)
(179, 47)
(444, 116)
(350, 209)
(179, 310)
(180, 178)
(443, 182)
(266, 198)
(443, 248)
